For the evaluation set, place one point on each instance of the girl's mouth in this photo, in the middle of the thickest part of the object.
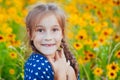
(48, 45)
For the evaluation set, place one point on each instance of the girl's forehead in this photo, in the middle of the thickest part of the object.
(42, 15)
(47, 19)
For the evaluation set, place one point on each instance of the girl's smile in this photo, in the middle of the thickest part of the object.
(48, 45)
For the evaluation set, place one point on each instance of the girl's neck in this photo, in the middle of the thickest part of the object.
(52, 57)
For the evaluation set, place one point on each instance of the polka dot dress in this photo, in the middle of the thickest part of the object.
(37, 67)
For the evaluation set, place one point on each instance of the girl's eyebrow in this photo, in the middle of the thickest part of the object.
(44, 26)
(55, 25)
(39, 25)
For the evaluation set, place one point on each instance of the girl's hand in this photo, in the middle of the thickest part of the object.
(60, 65)
(71, 74)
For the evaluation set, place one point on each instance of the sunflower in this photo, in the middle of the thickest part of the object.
(117, 54)
(114, 67)
(98, 71)
(11, 71)
(112, 74)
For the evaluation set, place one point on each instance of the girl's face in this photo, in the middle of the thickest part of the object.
(47, 35)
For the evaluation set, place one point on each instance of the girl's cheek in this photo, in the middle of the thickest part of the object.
(58, 36)
(38, 36)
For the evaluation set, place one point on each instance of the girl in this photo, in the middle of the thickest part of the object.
(51, 58)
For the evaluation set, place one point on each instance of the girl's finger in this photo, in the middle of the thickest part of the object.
(57, 55)
(68, 62)
(62, 54)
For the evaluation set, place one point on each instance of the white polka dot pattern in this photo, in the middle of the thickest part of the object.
(37, 67)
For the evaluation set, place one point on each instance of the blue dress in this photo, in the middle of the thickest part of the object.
(37, 67)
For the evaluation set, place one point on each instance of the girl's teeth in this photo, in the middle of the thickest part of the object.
(48, 45)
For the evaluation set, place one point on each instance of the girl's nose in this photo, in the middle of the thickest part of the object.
(48, 37)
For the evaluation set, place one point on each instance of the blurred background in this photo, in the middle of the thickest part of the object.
(92, 31)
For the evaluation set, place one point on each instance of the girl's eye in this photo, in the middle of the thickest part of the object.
(40, 30)
(55, 29)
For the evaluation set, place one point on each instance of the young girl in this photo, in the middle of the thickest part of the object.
(51, 58)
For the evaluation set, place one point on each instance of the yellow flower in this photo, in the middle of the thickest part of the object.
(88, 42)
(92, 22)
(95, 44)
(98, 71)
(80, 60)
(19, 4)
(12, 71)
(97, 28)
(81, 22)
(2, 38)
(69, 35)
(12, 11)
(113, 66)
(1, 1)
(106, 32)
(74, 19)
(11, 37)
(112, 74)
(99, 14)
(77, 45)
(82, 35)
(87, 16)
(102, 39)
(14, 43)
(31, 1)
(2, 17)
(117, 54)
(13, 55)
(8, 2)
(104, 24)
(115, 21)
(86, 59)
(116, 37)
(90, 55)
(5, 29)
(70, 8)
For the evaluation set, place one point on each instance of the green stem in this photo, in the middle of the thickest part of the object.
(19, 54)
(76, 53)
(86, 72)
(111, 54)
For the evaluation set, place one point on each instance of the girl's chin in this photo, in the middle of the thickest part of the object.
(48, 52)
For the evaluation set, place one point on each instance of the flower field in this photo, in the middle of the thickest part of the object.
(92, 31)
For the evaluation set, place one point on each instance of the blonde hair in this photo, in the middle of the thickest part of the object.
(42, 10)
